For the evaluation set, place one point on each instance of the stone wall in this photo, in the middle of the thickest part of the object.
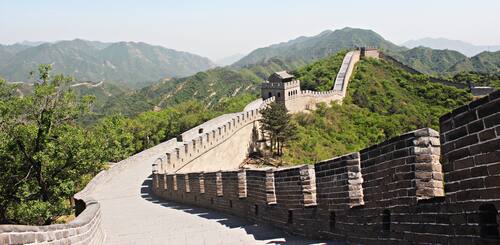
(307, 100)
(224, 141)
(393, 192)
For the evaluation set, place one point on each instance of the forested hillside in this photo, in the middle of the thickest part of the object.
(485, 62)
(429, 61)
(210, 87)
(382, 102)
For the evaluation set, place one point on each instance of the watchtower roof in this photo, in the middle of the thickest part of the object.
(281, 76)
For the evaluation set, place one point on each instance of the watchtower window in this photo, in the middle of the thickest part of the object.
(488, 221)
(270, 94)
(290, 217)
(279, 94)
(386, 220)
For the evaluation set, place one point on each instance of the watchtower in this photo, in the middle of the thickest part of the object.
(370, 52)
(282, 85)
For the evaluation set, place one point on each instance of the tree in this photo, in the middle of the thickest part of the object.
(277, 126)
(45, 156)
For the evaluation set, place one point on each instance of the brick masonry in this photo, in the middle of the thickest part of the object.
(420, 187)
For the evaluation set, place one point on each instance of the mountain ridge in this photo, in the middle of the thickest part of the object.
(126, 63)
(463, 47)
(322, 45)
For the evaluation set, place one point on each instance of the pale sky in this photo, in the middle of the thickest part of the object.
(219, 28)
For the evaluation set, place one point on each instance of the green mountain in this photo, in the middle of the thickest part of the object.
(319, 46)
(102, 91)
(457, 45)
(211, 87)
(429, 61)
(435, 62)
(127, 63)
(485, 62)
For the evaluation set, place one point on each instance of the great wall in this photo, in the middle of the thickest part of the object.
(421, 187)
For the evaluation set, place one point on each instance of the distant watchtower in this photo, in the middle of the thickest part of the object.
(370, 52)
(281, 85)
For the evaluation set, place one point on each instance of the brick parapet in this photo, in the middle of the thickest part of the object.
(190, 145)
(304, 199)
(470, 138)
(391, 192)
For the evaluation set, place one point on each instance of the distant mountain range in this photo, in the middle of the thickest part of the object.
(229, 59)
(131, 63)
(319, 46)
(438, 62)
(448, 62)
(244, 76)
(443, 43)
(127, 63)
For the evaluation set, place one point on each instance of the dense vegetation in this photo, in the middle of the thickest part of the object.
(276, 127)
(478, 79)
(46, 157)
(429, 61)
(210, 87)
(320, 75)
(382, 102)
(485, 62)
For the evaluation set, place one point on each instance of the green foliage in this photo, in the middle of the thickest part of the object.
(382, 102)
(478, 79)
(211, 87)
(43, 154)
(235, 104)
(429, 61)
(485, 62)
(123, 136)
(276, 126)
(46, 157)
(320, 75)
(448, 62)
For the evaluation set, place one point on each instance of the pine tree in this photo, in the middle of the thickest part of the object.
(277, 127)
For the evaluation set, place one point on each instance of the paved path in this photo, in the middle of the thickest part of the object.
(131, 216)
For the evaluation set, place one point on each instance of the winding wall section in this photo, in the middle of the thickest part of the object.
(221, 143)
(418, 188)
(224, 142)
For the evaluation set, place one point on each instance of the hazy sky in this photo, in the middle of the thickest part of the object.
(219, 28)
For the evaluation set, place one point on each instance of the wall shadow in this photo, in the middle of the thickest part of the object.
(261, 232)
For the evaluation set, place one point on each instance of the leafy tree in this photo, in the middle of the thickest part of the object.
(277, 126)
(44, 155)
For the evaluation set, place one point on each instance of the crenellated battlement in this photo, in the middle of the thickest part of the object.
(419, 187)
(199, 140)
(191, 149)
(286, 89)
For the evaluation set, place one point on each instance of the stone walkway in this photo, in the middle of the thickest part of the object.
(131, 216)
